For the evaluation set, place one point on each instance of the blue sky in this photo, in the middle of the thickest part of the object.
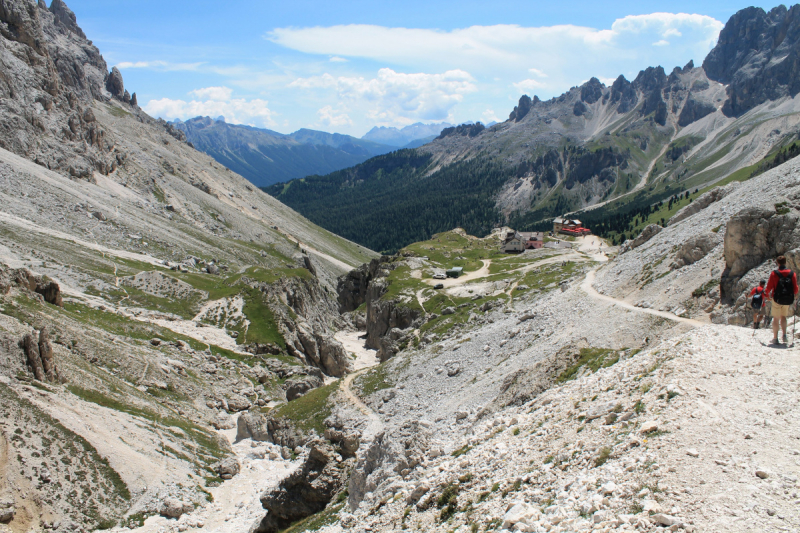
(348, 66)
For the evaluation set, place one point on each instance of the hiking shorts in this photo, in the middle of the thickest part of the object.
(779, 310)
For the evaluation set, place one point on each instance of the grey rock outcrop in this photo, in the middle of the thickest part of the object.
(694, 249)
(298, 386)
(252, 425)
(7, 510)
(388, 454)
(352, 287)
(306, 491)
(647, 233)
(753, 236)
(283, 432)
(714, 195)
(114, 83)
(592, 91)
(383, 315)
(693, 110)
(39, 356)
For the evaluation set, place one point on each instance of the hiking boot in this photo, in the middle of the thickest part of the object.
(784, 339)
(775, 342)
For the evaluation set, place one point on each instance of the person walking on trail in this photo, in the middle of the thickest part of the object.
(757, 303)
(781, 289)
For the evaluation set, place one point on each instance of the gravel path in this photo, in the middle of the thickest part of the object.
(588, 288)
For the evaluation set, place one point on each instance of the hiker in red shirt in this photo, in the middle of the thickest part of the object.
(781, 289)
(757, 303)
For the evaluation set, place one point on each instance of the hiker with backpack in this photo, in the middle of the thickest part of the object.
(757, 303)
(781, 289)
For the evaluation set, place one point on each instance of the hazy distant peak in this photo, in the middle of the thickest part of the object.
(402, 137)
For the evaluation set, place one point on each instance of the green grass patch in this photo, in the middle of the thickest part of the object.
(310, 410)
(705, 288)
(592, 358)
(374, 380)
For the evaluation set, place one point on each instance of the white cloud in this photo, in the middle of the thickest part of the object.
(662, 42)
(336, 59)
(566, 53)
(490, 116)
(395, 96)
(529, 85)
(331, 118)
(213, 102)
(212, 93)
(159, 65)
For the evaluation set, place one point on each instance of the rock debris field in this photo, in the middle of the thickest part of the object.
(698, 433)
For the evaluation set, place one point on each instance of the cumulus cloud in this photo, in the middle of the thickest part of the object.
(212, 93)
(336, 59)
(213, 102)
(529, 85)
(566, 53)
(395, 96)
(329, 117)
(490, 116)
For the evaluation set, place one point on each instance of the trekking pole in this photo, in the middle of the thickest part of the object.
(794, 324)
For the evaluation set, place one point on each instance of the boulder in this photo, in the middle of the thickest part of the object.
(418, 492)
(174, 508)
(520, 512)
(227, 468)
(237, 402)
(212, 269)
(252, 425)
(299, 385)
(333, 357)
(7, 510)
(223, 421)
(350, 444)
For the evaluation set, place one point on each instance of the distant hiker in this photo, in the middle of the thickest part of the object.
(781, 289)
(757, 303)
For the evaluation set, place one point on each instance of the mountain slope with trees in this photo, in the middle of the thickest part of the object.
(625, 146)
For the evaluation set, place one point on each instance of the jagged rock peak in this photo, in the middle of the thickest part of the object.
(592, 91)
(65, 16)
(524, 106)
(114, 83)
(757, 56)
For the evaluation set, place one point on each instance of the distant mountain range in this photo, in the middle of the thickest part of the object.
(266, 157)
(623, 146)
(411, 136)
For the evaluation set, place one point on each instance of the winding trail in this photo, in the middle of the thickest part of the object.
(588, 288)
(375, 424)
